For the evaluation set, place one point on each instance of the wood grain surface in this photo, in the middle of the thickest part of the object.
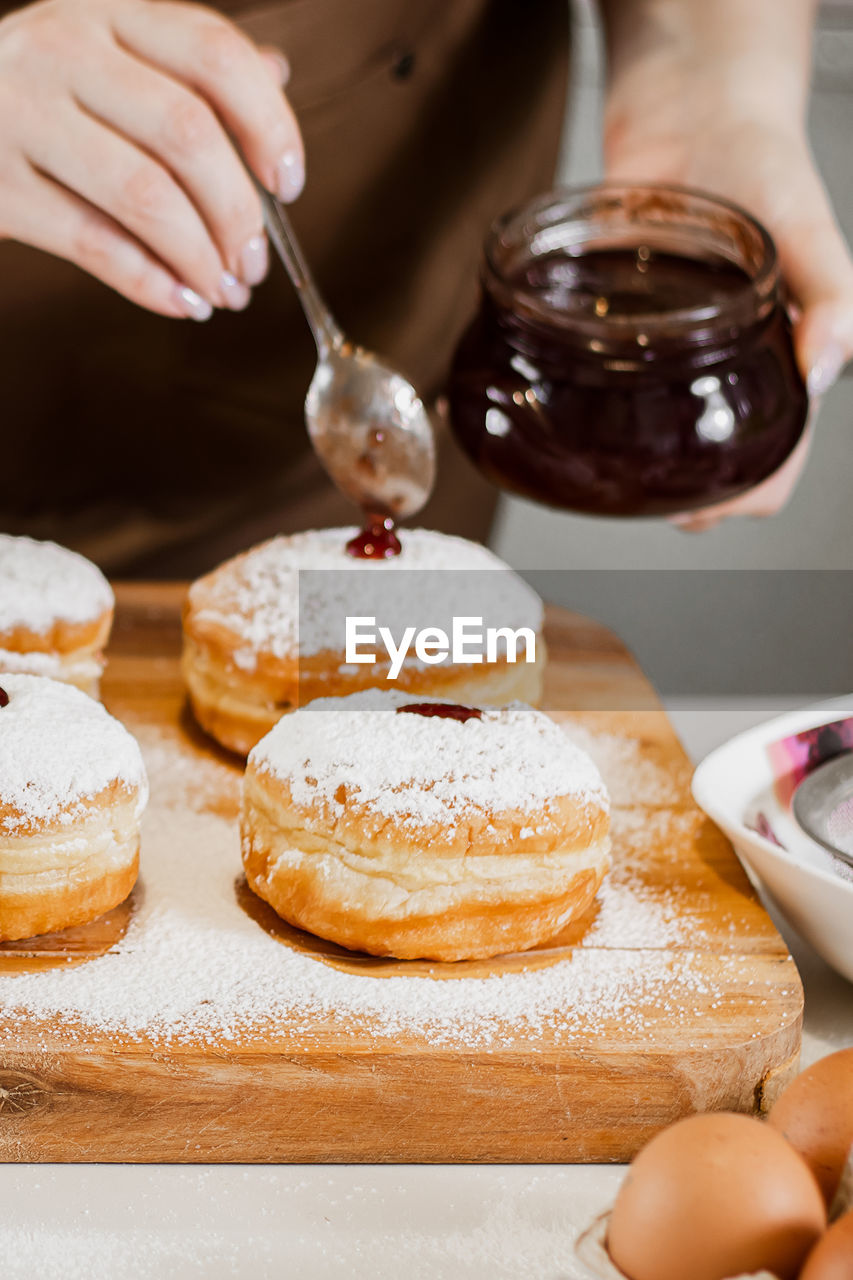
(316, 1093)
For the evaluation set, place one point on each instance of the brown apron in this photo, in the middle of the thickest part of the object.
(157, 446)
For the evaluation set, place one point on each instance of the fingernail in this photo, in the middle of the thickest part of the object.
(281, 64)
(192, 304)
(235, 294)
(693, 524)
(254, 260)
(825, 370)
(289, 176)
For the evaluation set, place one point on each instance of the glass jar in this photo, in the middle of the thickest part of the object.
(632, 354)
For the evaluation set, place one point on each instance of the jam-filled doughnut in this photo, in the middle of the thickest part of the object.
(423, 830)
(72, 792)
(246, 664)
(56, 610)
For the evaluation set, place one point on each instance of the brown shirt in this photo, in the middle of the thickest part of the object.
(160, 446)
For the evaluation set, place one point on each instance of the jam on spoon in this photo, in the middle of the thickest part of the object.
(444, 710)
(4, 698)
(376, 541)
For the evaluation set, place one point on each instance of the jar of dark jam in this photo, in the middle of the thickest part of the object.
(632, 354)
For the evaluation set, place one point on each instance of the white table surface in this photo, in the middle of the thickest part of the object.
(403, 1222)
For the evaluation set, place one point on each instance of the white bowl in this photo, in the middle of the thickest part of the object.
(733, 784)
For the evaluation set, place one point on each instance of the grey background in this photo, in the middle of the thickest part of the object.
(766, 633)
(816, 529)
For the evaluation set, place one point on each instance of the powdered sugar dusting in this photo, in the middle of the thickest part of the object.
(53, 665)
(193, 967)
(425, 769)
(636, 909)
(263, 601)
(630, 776)
(42, 583)
(211, 1222)
(58, 747)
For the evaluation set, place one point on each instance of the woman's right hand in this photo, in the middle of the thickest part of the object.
(115, 152)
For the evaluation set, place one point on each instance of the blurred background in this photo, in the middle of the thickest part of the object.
(685, 628)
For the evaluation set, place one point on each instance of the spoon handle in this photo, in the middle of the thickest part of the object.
(327, 335)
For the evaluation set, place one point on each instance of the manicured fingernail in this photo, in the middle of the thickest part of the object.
(281, 64)
(235, 294)
(694, 524)
(289, 176)
(825, 370)
(254, 260)
(192, 304)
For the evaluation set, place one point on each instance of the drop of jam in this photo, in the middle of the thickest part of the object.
(4, 698)
(444, 710)
(376, 541)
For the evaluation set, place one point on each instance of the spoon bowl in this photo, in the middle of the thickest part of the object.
(372, 433)
(366, 421)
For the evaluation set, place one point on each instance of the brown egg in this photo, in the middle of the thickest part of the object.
(832, 1256)
(815, 1113)
(715, 1196)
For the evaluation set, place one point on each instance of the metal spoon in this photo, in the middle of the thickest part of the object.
(819, 795)
(368, 425)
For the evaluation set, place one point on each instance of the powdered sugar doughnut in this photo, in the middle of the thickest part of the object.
(246, 663)
(56, 610)
(423, 830)
(72, 792)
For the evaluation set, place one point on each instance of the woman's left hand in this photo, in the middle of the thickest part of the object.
(670, 121)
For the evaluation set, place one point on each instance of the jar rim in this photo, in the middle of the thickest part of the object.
(563, 206)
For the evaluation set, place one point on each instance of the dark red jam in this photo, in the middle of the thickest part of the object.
(376, 541)
(444, 710)
(633, 380)
(4, 698)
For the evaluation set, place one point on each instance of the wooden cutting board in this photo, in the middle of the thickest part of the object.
(592, 1083)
